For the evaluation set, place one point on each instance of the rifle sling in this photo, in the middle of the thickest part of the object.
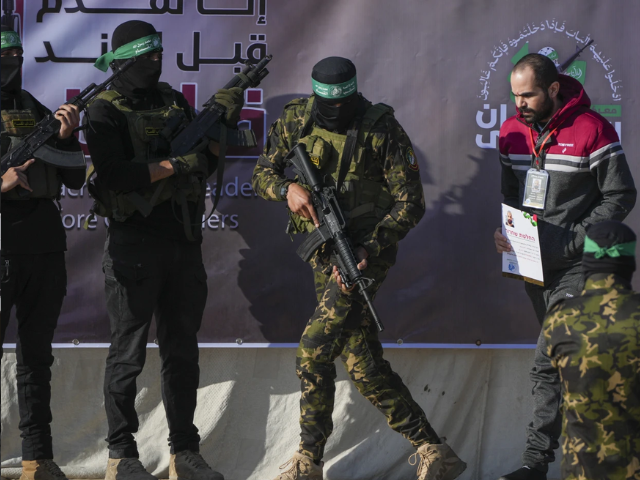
(222, 152)
(347, 153)
(219, 177)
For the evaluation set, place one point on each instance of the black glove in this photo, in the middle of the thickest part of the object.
(233, 100)
(190, 163)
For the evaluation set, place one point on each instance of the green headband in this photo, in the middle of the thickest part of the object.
(10, 39)
(330, 91)
(622, 249)
(129, 50)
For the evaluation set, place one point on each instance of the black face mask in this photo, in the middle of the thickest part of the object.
(11, 73)
(333, 118)
(140, 78)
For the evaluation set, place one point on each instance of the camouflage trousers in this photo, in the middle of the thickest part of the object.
(341, 326)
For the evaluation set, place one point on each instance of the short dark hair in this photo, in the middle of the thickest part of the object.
(544, 70)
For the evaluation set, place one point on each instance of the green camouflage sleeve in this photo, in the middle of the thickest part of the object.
(594, 342)
(268, 175)
(402, 175)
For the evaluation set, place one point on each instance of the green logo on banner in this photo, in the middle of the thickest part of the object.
(608, 110)
(577, 70)
(549, 52)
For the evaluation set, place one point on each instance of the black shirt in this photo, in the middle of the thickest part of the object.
(111, 149)
(34, 226)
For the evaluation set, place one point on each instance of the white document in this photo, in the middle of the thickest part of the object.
(524, 261)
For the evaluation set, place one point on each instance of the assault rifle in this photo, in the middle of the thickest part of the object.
(50, 126)
(569, 61)
(195, 136)
(332, 227)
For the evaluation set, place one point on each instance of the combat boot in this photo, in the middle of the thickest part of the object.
(41, 470)
(301, 468)
(127, 469)
(188, 465)
(525, 473)
(437, 462)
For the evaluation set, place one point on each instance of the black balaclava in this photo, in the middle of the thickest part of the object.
(607, 234)
(11, 73)
(333, 71)
(143, 76)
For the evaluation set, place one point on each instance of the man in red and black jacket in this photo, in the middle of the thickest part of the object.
(555, 133)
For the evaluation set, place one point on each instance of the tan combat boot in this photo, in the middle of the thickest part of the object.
(41, 470)
(302, 468)
(188, 465)
(127, 469)
(437, 462)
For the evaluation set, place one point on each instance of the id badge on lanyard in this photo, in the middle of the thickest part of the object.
(537, 182)
(535, 189)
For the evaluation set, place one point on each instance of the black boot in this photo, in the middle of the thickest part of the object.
(525, 473)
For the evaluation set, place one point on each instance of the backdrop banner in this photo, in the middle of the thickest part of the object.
(444, 67)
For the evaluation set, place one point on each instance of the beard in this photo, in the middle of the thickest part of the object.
(540, 115)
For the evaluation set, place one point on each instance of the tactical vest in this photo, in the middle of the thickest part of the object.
(16, 124)
(149, 147)
(364, 202)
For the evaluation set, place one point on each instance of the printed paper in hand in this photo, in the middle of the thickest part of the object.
(524, 261)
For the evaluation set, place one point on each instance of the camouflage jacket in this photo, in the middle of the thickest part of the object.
(594, 342)
(393, 164)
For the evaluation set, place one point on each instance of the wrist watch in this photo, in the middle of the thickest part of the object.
(284, 189)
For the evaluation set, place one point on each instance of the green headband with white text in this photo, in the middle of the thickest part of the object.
(337, 91)
(614, 251)
(11, 39)
(129, 50)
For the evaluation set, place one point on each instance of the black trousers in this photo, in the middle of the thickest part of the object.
(146, 276)
(36, 286)
(545, 429)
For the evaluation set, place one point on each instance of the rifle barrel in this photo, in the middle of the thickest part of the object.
(372, 309)
(571, 59)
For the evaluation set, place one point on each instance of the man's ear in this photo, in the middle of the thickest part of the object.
(554, 89)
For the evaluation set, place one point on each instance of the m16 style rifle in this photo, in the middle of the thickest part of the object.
(570, 60)
(35, 142)
(332, 227)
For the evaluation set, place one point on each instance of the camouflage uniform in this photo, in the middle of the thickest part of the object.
(341, 324)
(594, 341)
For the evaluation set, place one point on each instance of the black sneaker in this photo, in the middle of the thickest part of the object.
(188, 465)
(127, 469)
(525, 473)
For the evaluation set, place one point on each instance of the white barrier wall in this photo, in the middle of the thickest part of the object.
(248, 413)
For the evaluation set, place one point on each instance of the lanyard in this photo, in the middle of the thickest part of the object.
(541, 149)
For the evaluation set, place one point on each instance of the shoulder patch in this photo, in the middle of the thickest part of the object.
(410, 158)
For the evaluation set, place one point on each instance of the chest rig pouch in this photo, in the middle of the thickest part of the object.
(364, 201)
(149, 147)
(43, 178)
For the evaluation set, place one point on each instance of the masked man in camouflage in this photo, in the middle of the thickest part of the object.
(153, 257)
(383, 199)
(34, 275)
(594, 342)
